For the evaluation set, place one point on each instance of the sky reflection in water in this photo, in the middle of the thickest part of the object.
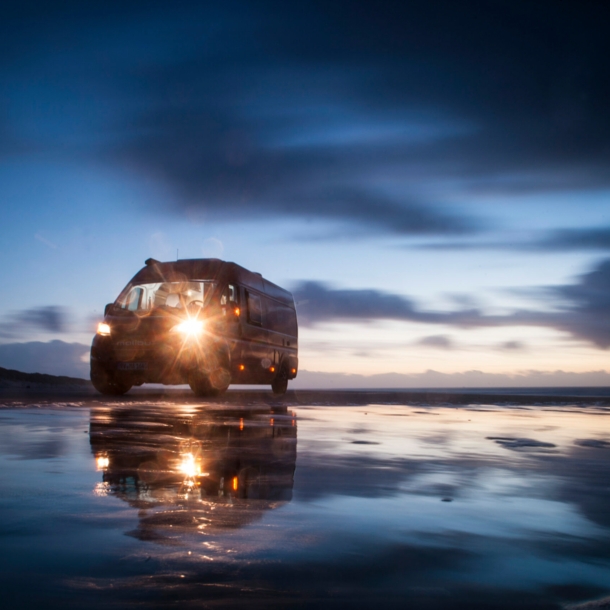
(443, 507)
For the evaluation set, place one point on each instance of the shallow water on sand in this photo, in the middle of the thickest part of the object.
(164, 504)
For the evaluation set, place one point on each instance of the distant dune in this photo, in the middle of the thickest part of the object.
(12, 378)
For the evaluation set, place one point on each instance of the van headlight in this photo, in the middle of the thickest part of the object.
(189, 328)
(103, 329)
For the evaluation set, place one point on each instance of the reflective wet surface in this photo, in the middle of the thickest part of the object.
(136, 504)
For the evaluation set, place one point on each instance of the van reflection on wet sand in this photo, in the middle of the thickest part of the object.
(194, 471)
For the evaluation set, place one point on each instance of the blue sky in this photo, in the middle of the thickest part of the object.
(429, 178)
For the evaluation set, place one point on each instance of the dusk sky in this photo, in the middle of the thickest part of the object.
(431, 179)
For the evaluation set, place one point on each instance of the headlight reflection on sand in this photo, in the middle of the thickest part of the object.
(102, 462)
(189, 466)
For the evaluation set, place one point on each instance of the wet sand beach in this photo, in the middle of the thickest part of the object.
(395, 499)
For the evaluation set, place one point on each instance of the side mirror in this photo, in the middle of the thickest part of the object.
(108, 308)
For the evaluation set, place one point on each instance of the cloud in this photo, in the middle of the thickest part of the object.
(587, 314)
(558, 240)
(438, 341)
(276, 110)
(581, 309)
(338, 102)
(327, 183)
(512, 346)
(576, 239)
(50, 319)
(319, 302)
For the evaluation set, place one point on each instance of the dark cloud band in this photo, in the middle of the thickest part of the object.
(273, 110)
(50, 319)
(585, 313)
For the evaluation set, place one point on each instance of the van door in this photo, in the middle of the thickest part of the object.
(259, 349)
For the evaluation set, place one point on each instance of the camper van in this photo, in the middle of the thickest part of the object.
(204, 322)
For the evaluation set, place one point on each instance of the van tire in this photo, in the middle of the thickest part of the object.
(200, 384)
(211, 383)
(107, 384)
(220, 379)
(279, 385)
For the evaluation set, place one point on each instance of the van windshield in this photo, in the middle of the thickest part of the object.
(189, 295)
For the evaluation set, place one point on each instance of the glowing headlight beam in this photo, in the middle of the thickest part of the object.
(189, 327)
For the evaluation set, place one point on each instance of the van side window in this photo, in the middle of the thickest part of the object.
(255, 312)
(281, 318)
(229, 294)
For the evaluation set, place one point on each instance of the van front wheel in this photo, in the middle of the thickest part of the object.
(107, 384)
(212, 384)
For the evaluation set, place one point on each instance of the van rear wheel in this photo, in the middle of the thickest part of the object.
(280, 384)
(200, 384)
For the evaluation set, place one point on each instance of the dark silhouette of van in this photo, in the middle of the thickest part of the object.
(204, 322)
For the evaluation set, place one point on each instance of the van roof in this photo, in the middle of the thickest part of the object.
(209, 269)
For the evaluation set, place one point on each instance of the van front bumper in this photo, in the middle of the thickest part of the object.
(168, 362)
